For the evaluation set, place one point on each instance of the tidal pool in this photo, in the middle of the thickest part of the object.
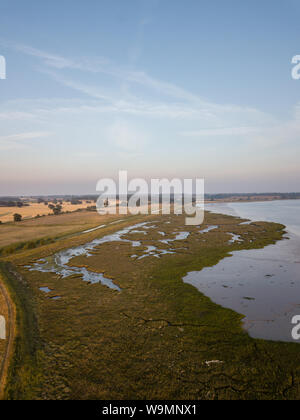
(208, 229)
(45, 289)
(179, 237)
(235, 238)
(59, 263)
(92, 230)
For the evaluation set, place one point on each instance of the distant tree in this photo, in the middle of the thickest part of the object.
(106, 203)
(17, 217)
(91, 208)
(51, 206)
(57, 209)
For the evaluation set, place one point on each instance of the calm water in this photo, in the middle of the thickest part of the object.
(264, 285)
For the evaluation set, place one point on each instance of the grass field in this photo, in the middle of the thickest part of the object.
(15, 234)
(153, 339)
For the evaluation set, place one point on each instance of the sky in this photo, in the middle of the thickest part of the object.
(160, 88)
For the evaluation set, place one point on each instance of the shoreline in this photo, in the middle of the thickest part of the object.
(230, 200)
(272, 287)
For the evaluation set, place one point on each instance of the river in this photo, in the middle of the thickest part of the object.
(264, 284)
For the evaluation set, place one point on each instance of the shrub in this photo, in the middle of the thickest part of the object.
(17, 217)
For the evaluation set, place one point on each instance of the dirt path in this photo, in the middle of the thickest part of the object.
(10, 328)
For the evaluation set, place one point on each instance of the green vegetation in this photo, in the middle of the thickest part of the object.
(12, 249)
(17, 217)
(158, 338)
(23, 369)
(57, 209)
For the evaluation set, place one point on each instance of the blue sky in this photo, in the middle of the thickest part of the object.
(162, 88)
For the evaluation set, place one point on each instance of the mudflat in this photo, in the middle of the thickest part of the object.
(155, 337)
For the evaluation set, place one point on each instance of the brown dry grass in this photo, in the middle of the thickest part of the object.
(51, 226)
(34, 209)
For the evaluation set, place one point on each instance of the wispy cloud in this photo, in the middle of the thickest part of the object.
(19, 141)
(173, 101)
(49, 59)
(52, 60)
(106, 66)
(223, 131)
(209, 119)
(15, 115)
(271, 134)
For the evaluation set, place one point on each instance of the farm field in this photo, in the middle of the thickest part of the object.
(35, 209)
(148, 335)
(50, 227)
